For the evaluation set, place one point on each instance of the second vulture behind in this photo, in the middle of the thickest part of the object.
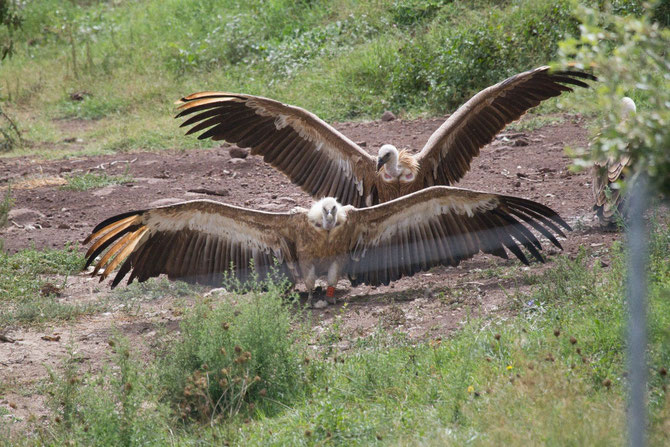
(325, 163)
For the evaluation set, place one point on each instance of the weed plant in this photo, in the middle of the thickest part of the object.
(30, 281)
(92, 180)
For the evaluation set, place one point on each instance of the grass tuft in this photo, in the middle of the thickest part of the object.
(27, 280)
(92, 180)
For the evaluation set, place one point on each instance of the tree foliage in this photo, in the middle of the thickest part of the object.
(10, 21)
(630, 56)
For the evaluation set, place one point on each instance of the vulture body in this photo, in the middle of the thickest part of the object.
(198, 241)
(325, 163)
(609, 202)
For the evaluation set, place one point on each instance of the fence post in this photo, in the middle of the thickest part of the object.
(637, 313)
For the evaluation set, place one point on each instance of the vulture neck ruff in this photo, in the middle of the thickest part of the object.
(401, 166)
(317, 214)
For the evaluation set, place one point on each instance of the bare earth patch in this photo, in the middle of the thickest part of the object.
(429, 305)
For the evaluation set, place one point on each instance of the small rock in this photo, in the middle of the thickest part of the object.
(216, 291)
(267, 207)
(236, 152)
(211, 192)
(320, 304)
(51, 337)
(362, 143)
(50, 289)
(63, 226)
(235, 161)
(164, 202)
(23, 216)
(79, 96)
(286, 199)
(388, 116)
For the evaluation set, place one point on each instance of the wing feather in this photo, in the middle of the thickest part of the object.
(443, 226)
(450, 148)
(195, 241)
(255, 122)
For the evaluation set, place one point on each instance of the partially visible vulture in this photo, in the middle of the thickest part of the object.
(198, 241)
(609, 202)
(325, 163)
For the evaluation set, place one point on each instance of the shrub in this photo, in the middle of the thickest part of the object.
(631, 59)
(236, 357)
(118, 407)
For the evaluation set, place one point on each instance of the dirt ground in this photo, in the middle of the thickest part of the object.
(429, 305)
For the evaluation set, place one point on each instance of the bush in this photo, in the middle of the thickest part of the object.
(118, 407)
(447, 65)
(236, 357)
(243, 356)
(631, 59)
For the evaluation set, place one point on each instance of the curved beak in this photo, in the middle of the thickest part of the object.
(380, 162)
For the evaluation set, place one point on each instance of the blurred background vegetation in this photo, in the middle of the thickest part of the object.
(116, 67)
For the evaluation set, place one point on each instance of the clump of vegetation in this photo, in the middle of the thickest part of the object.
(232, 359)
(30, 280)
(631, 56)
(11, 136)
(92, 180)
(116, 408)
(242, 357)
(10, 22)
(5, 206)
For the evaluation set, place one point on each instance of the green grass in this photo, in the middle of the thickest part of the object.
(92, 180)
(5, 206)
(552, 374)
(28, 280)
(341, 59)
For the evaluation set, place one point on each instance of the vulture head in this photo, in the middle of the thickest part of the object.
(627, 107)
(326, 214)
(387, 153)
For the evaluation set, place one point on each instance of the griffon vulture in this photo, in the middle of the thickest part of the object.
(198, 241)
(608, 198)
(325, 163)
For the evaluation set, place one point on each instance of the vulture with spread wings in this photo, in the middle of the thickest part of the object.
(199, 241)
(325, 163)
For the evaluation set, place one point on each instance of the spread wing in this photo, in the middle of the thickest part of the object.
(314, 155)
(443, 226)
(195, 241)
(447, 155)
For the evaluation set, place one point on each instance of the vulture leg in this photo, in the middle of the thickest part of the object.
(333, 275)
(310, 283)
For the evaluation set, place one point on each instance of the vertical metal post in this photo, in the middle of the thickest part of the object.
(637, 313)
